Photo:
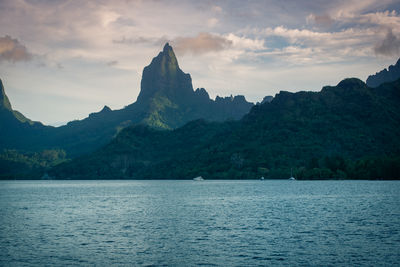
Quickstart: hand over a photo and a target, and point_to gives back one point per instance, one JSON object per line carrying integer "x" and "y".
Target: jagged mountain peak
{"x": 391, "y": 74}
{"x": 202, "y": 93}
{"x": 164, "y": 77}
{"x": 168, "y": 55}
{"x": 165, "y": 61}
{"x": 167, "y": 47}
{"x": 106, "y": 109}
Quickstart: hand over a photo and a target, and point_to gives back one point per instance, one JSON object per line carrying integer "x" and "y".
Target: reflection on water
{"x": 226, "y": 223}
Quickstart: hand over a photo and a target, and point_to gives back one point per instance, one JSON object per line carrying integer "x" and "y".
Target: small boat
{"x": 198, "y": 178}
{"x": 291, "y": 176}
{"x": 262, "y": 178}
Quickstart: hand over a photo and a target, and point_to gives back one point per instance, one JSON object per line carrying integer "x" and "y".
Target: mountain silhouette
{"x": 166, "y": 101}
{"x": 387, "y": 75}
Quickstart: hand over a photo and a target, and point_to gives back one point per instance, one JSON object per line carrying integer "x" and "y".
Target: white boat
{"x": 198, "y": 178}
{"x": 262, "y": 178}
{"x": 291, "y": 175}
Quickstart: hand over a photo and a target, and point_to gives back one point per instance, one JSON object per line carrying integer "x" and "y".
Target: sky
{"x": 63, "y": 59}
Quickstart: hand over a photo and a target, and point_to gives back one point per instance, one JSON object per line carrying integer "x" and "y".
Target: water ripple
{"x": 212, "y": 223}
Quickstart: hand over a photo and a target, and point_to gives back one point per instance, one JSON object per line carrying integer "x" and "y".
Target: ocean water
{"x": 210, "y": 223}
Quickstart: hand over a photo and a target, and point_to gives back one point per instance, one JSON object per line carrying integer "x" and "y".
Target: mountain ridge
{"x": 390, "y": 74}
{"x": 326, "y": 134}
{"x": 166, "y": 100}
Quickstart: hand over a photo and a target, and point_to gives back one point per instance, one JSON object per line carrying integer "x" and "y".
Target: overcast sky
{"x": 61, "y": 60}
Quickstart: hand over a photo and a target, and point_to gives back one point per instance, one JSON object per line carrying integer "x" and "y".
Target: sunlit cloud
{"x": 212, "y": 22}
{"x": 201, "y": 43}
{"x": 216, "y": 9}
{"x": 12, "y": 50}
{"x": 244, "y": 43}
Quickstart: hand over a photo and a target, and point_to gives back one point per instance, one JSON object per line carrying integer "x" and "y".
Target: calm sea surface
{"x": 211, "y": 223}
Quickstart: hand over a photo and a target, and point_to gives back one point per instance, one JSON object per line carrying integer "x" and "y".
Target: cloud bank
{"x": 254, "y": 47}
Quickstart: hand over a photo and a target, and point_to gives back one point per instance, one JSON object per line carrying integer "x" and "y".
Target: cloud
{"x": 243, "y": 43}
{"x": 354, "y": 35}
{"x": 200, "y": 44}
{"x": 344, "y": 38}
{"x": 304, "y": 46}
{"x": 12, "y": 50}
{"x": 212, "y": 22}
{"x": 390, "y": 46}
{"x": 112, "y": 63}
{"x": 387, "y": 19}
{"x": 141, "y": 40}
{"x": 324, "y": 20}
{"x": 124, "y": 21}
{"x": 216, "y": 9}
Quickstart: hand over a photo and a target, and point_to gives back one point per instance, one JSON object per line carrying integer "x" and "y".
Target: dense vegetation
{"x": 28, "y": 165}
{"x": 344, "y": 131}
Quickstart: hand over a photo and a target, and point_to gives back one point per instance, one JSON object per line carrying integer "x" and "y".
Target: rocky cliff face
{"x": 164, "y": 77}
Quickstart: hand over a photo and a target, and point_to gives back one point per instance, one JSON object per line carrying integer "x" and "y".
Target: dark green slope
{"x": 166, "y": 101}
{"x": 323, "y": 134}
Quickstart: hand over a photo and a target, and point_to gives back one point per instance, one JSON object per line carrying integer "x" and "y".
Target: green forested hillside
{"x": 344, "y": 131}
{"x": 28, "y": 165}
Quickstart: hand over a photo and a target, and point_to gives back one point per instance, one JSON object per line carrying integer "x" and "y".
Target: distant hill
{"x": 344, "y": 131}
{"x": 166, "y": 101}
{"x": 387, "y": 75}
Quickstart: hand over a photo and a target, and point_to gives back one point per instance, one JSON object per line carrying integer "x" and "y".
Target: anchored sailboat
{"x": 291, "y": 175}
